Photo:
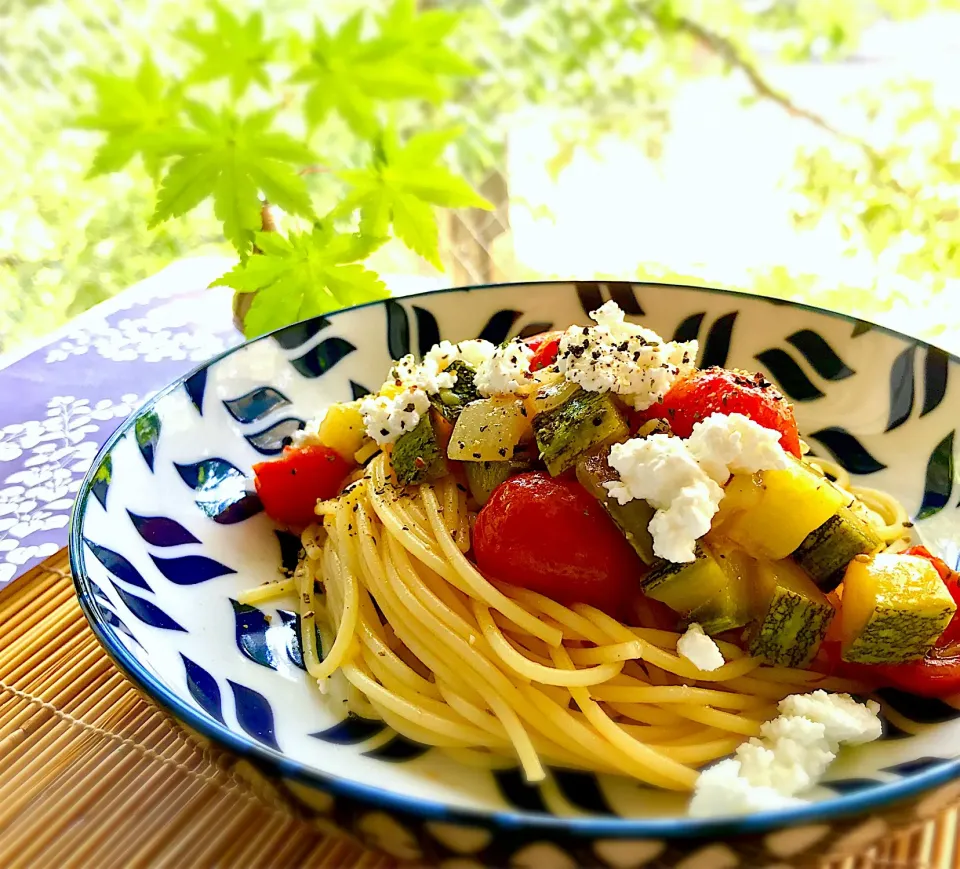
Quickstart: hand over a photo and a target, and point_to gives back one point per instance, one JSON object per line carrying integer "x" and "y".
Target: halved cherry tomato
{"x": 551, "y": 536}
{"x": 717, "y": 390}
{"x": 936, "y": 675}
{"x": 545, "y": 347}
{"x": 291, "y": 485}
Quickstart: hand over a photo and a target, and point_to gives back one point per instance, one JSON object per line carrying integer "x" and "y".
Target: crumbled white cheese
{"x": 699, "y": 649}
{"x": 725, "y": 444}
{"x": 722, "y": 790}
{"x": 682, "y": 479}
{"x": 309, "y": 435}
{"x": 506, "y": 370}
{"x": 385, "y": 418}
{"x": 473, "y": 353}
{"x": 793, "y": 754}
{"x": 426, "y": 375}
{"x": 660, "y": 470}
{"x": 617, "y": 356}
{"x": 844, "y": 720}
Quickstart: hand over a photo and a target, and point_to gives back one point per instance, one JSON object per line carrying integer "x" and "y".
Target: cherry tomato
{"x": 936, "y": 675}
{"x": 717, "y": 390}
{"x": 291, "y": 485}
{"x": 545, "y": 347}
{"x": 551, "y": 536}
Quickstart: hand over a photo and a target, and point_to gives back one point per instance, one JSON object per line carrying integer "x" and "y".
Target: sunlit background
{"x": 808, "y": 149}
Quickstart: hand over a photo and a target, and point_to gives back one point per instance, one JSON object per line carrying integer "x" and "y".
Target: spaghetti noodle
{"x": 488, "y": 671}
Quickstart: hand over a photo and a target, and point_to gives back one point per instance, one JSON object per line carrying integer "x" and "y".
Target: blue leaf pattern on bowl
{"x": 161, "y": 531}
{"x": 118, "y": 565}
{"x": 320, "y": 359}
{"x": 782, "y": 368}
{"x": 358, "y": 391}
{"x": 716, "y": 348}
{"x": 936, "y": 370}
{"x": 351, "y": 731}
{"x": 428, "y": 332}
{"x": 532, "y": 329}
{"x": 147, "y": 432}
{"x": 847, "y": 450}
{"x": 293, "y": 643}
{"x": 203, "y": 688}
{"x": 101, "y": 481}
{"x": 298, "y": 334}
{"x": 251, "y": 634}
{"x": 272, "y": 440}
{"x": 148, "y": 613}
{"x": 518, "y": 793}
{"x": 582, "y": 790}
{"x": 498, "y": 326}
{"x": 221, "y": 490}
{"x": 256, "y": 404}
{"x": 901, "y": 388}
{"x": 191, "y": 569}
{"x": 254, "y": 714}
{"x": 398, "y": 750}
{"x": 195, "y": 386}
{"x": 820, "y": 356}
{"x": 689, "y": 328}
{"x": 398, "y": 329}
{"x": 290, "y": 548}
{"x": 938, "y": 481}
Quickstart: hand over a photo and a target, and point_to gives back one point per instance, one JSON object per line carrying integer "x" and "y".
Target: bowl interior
{"x": 166, "y": 533}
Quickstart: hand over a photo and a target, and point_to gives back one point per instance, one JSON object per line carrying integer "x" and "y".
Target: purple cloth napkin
{"x": 59, "y": 402}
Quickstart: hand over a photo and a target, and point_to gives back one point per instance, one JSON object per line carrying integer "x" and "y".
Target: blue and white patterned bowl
{"x": 166, "y": 533}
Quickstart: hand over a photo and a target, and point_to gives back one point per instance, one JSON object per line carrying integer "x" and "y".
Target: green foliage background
{"x": 610, "y": 67}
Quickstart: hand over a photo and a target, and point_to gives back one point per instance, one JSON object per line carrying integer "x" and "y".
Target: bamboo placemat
{"x": 92, "y": 774}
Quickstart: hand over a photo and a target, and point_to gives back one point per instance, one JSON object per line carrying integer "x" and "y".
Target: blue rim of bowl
{"x": 532, "y": 823}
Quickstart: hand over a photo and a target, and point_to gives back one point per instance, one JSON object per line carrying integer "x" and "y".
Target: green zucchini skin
{"x": 632, "y": 518}
{"x": 782, "y": 621}
{"x": 582, "y": 423}
{"x": 708, "y": 590}
{"x": 417, "y": 456}
{"x": 896, "y": 636}
{"x": 789, "y": 633}
{"x": 826, "y": 551}
{"x": 484, "y": 477}
{"x": 449, "y": 402}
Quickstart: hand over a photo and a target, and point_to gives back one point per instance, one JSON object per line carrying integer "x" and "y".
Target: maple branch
{"x": 314, "y": 170}
{"x": 733, "y": 57}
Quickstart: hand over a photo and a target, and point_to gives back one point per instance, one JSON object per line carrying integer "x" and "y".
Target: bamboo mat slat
{"x": 92, "y": 774}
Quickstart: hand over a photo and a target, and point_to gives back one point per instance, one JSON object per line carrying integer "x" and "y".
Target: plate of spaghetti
{"x": 553, "y": 574}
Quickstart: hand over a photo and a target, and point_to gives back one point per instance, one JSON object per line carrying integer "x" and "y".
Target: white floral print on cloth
{"x": 51, "y": 456}
{"x": 153, "y": 338}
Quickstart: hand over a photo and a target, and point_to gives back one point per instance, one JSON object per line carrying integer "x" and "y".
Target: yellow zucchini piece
{"x": 789, "y": 505}
{"x": 894, "y": 607}
{"x": 488, "y": 430}
{"x": 715, "y": 589}
{"x": 793, "y": 615}
{"x": 550, "y": 395}
{"x": 342, "y": 429}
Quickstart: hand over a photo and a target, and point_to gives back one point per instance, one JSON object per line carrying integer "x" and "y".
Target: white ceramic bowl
{"x": 166, "y": 533}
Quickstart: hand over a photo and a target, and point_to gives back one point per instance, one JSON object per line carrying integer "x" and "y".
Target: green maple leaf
{"x": 401, "y": 187}
{"x": 407, "y": 59}
{"x": 233, "y": 159}
{"x": 235, "y": 50}
{"x": 132, "y": 111}
{"x": 303, "y": 275}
